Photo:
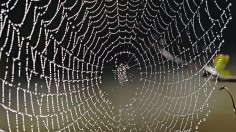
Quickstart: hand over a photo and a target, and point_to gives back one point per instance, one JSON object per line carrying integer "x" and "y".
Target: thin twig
{"x": 232, "y": 99}
{"x": 227, "y": 79}
{"x": 209, "y": 71}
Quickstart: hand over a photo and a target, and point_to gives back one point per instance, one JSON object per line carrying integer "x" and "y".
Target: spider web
{"x": 98, "y": 65}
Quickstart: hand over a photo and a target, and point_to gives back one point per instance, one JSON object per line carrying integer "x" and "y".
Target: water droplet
{"x": 204, "y": 119}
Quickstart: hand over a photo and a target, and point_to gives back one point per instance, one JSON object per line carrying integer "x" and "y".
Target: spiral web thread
{"x": 79, "y": 65}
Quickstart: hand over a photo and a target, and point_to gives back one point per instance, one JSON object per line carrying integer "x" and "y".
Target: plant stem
{"x": 231, "y": 96}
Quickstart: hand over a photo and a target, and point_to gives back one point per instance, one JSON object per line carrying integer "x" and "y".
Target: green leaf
{"x": 224, "y": 73}
{"x": 219, "y": 62}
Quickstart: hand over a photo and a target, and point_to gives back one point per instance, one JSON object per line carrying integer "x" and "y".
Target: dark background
{"x": 229, "y": 34}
